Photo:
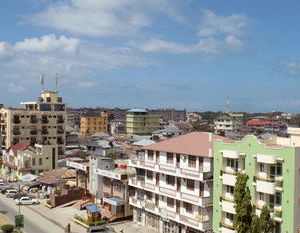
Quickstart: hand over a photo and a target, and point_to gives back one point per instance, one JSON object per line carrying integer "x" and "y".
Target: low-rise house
{"x": 233, "y": 122}
{"x": 167, "y": 132}
{"x": 22, "y": 158}
{"x": 109, "y": 186}
{"x": 102, "y": 147}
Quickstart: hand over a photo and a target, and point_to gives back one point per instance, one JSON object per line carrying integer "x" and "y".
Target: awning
{"x": 115, "y": 201}
{"x": 92, "y": 208}
{"x": 28, "y": 178}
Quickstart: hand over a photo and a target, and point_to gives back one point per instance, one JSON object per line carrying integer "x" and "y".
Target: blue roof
{"x": 92, "y": 208}
{"x": 137, "y": 110}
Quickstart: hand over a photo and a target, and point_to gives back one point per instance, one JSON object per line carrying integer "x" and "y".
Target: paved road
{"x": 34, "y": 222}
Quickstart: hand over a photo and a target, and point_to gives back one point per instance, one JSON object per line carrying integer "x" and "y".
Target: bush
{"x": 57, "y": 192}
{"x": 81, "y": 219}
{"x": 7, "y": 228}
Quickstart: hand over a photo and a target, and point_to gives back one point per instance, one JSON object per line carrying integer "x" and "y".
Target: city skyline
{"x": 153, "y": 54}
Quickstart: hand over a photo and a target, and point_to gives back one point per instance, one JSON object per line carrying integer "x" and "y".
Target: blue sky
{"x": 153, "y": 53}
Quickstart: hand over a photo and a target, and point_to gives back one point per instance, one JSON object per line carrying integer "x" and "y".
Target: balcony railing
{"x": 16, "y": 132}
{"x": 45, "y": 121}
{"x": 60, "y": 131}
{"x": 45, "y": 131}
{"x": 33, "y": 120}
{"x": 16, "y": 121}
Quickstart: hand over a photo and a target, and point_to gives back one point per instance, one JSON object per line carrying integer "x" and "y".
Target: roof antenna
{"x": 227, "y": 105}
{"x": 57, "y": 81}
{"x": 42, "y": 82}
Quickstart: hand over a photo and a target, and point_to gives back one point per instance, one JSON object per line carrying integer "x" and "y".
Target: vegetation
{"x": 7, "y": 228}
{"x": 197, "y": 126}
{"x": 245, "y": 219}
{"x": 113, "y": 155}
{"x": 242, "y": 202}
{"x": 155, "y": 138}
{"x": 85, "y": 221}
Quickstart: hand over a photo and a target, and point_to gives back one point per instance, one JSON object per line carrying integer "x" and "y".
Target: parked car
{"x": 19, "y": 195}
{"x": 27, "y": 201}
{"x": 98, "y": 229}
{"x": 10, "y": 193}
{"x": 3, "y": 189}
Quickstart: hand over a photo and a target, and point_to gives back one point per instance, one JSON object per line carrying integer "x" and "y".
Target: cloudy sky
{"x": 153, "y": 53}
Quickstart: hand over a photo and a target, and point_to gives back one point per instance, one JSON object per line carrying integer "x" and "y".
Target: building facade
{"x": 95, "y": 123}
{"x": 22, "y": 158}
{"x": 169, "y": 114}
{"x": 228, "y": 123}
{"x": 140, "y": 122}
{"x": 109, "y": 186}
{"x": 173, "y": 184}
{"x": 274, "y": 180}
{"x": 41, "y": 122}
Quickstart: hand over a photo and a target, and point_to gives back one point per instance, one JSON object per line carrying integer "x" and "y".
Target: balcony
{"x": 16, "y": 121}
{"x": 60, "y": 120}
{"x": 33, "y": 132}
{"x": 16, "y": 132}
{"x": 60, "y": 142}
{"x": 268, "y": 184}
{"x": 60, "y": 131}
{"x": 228, "y": 206}
{"x": 45, "y": 131}
{"x": 45, "y": 121}
{"x": 33, "y": 120}
{"x": 227, "y": 226}
{"x": 229, "y": 179}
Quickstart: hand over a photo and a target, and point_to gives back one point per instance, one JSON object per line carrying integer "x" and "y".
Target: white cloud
{"x": 216, "y": 34}
{"x": 15, "y": 87}
{"x": 292, "y": 67}
{"x": 213, "y": 24}
{"x": 105, "y": 17}
{"x": 48, "y": 43}
{"x": 86, "y": 84}
{"x": 6, "y": 52}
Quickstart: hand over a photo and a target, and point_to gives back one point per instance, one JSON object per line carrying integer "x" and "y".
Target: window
{"x": 190, "y": 184}
{"x": 170, "y": 202}
{"x": 33, "y": 162}
{"x": 261, "y": 167}
{"x": 261, "y": 196}
{"x": 230, "y": 189}
{"x": 149, "y": 175}
{"x": 278, "y": 198}
{"x": 271, "y": 201}
{"x": 192, "y": 161}
{"x": 150, "y": 155}
{"x": 188, "y": 207}
{"x": 229, "y": 216}
{"x": 170, "y": 158}
{"x": 233, "y": 163}
{"x": 170, "y": 180}
{"x": 40, "y": 161}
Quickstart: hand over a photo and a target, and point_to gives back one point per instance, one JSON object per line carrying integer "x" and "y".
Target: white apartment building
{"x": 228, "y": 123}
{"x": 41, "y": 121}
{"x": 173, "y": 184}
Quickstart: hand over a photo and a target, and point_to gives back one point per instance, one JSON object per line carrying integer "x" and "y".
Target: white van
{"x": 10, "y": 193}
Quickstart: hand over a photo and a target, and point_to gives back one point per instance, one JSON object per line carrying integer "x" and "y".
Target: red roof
{"x": 20, "y": 146}
{"x": 196, "y": 143}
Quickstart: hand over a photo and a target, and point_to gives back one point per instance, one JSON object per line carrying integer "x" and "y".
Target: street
{"x": 33, "y": 222}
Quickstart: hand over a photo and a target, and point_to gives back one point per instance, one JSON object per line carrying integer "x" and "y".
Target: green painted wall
{"x": 250, "y": 146}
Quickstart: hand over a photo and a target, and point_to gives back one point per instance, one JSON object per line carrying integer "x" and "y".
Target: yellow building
{"x": 92, "y": 124}
{"x": 41, "y": 121}
{"x": 140, "y": 122}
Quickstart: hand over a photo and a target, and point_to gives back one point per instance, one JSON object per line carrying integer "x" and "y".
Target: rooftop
{"x": 196, "y": 143}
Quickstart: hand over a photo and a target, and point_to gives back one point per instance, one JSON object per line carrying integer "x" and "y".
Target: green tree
{"x": 155, "y": 138}
{"x": 242, "y": 202}
{"x": 265, "y": 221}
{"x": 113, "y": 155}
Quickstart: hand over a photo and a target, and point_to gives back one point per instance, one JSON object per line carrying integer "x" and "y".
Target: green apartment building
{"x": 140, "y": 122}
{"x": 274, "y": 179}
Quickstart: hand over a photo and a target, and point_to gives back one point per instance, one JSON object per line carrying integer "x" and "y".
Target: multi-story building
{"x": 274, "y": 180}
{"x": 169, "y": 114}
{"x": 173, "y": 184}
{"x": 140, "y": 122}
{"x": 109, "y": 186}
{"x": 232, "y": 122}
{"x": 266, "y": 124}
{"x": 41, "y": 121}
{"x": 94, "y": 123}
{"x": 22, "y": 158}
